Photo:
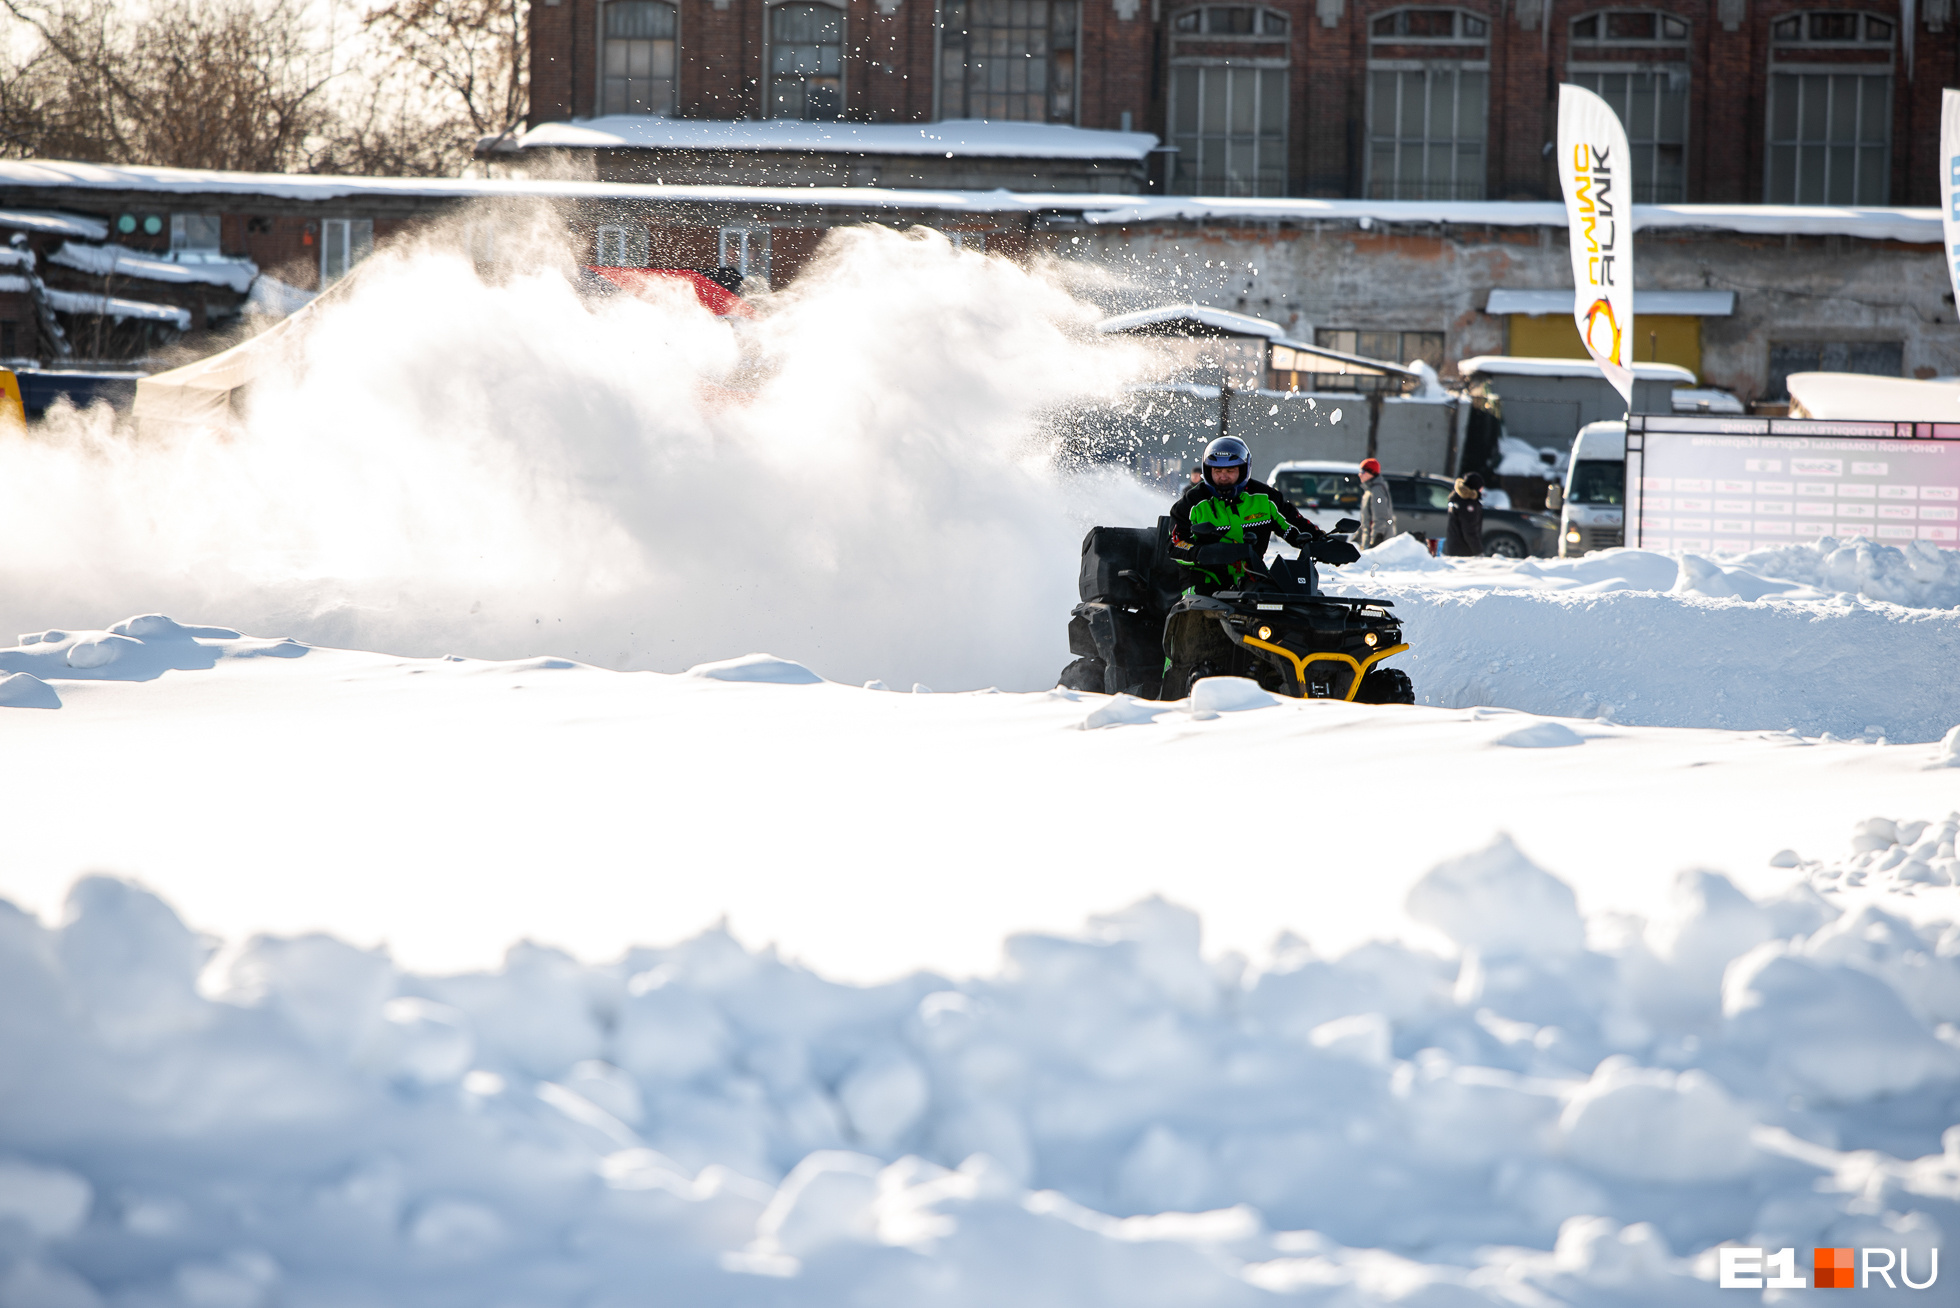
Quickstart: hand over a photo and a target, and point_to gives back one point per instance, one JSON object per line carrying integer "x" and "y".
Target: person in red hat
{"x": 1377, "y": 510}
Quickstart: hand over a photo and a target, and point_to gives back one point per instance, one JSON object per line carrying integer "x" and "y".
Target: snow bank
{"x": 1549, "y": 1110}
{"x": 1783, "y": 639}
{"x": 860, "y": 483}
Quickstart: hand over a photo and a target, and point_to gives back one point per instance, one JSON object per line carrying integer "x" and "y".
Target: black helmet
{"x": 1228, "y": 452}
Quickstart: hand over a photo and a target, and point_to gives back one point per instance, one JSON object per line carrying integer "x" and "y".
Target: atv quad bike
{"x": 1137, "y": 632}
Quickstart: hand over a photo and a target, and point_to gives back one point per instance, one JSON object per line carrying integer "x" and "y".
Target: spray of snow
{"x": 503, "y": 470}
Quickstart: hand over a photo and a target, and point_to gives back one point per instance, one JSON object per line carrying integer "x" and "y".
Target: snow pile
{"x": 1783, "y": 639}
{"x": 1549, "y": 1110}
{"x": 860, "y": 482}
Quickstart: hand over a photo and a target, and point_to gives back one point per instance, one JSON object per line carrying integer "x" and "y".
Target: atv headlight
{"x": 1265, "y": 633}
{"x": 1371, "y": 640}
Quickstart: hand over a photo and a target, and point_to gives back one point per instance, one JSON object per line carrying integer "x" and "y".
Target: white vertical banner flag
{"x": 1950, "y": 183}
{"x": 1596, "y": 172}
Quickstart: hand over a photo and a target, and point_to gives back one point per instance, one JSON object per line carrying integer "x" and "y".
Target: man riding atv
{"x": 1194, "y": 597}
{"x": 1220, "y": 526}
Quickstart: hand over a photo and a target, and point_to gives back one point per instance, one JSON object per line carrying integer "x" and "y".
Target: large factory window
{"x": 1228, "y": 103}
{"x": 637, "y": 65}
{"x": 806, "y": 62}
{"x": 1637, "y": 61}
{"x": 1008, "y": 59}
{"x": 1428, "y": 102}
{"x": 1830, "y": 124}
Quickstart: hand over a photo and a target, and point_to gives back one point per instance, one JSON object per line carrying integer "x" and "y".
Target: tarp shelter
{"x": 210, "y": 390}
{"x": 1848, "y": 396}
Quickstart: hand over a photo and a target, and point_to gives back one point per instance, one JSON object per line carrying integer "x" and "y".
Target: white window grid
{"x": 639, "y": 42}
{"x": 1427, "y": 127}
{"x": 344, "y": 242}
{"x": 620, "y": 245}
{"x": 1829, "y": 136}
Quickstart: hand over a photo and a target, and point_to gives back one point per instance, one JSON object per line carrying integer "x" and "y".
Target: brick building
{"x": 1725, "y": 101}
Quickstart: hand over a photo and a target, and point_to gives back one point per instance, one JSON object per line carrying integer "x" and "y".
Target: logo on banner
{"x": 1592, "y": 188}
{"x": 1830, "y": 1269}
{"x": 1610, "y": 348}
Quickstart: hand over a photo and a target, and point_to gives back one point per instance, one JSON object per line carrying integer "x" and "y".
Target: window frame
{"x": 939, "y": 87}
{"x": 346, "y": 227}
{"x": 1456, "y": 64}
{"x": 1657, "y": 67}
{"x": 1661, "y": 19}
{"x": 1459, "y": 38}
{"x": 634, "y": 238}
{"x": 769, "y": 50}
{"x": 1771, "y": 142}
{"x": 599, "y": 56}
{"x": 1260, "y": 66}
{"x": 1804, "y": 41}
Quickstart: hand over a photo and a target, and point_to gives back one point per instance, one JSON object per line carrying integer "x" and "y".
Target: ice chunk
{"x": 1163, "y": 1172}
{"x": 1541, "y": 735}
{"x": 830, "y": 1197}
{"x": 1124, "y": 710}
{"x": 884, "y": 1096}
{"x": 427, "y": 1042}
{"x": 1831, "y": 1030}
{"x": 32, "y": 1284}
{"x": 100, "y": 651}
{"x": 1363, "y": 1037}
{"x": 50, "y": 1202}
{"x": 25, "y": 690}
{"x": 1949, "y": 755}
{"x": 1228, "y": 695}
{"x": 1648, "y": 1124}
{"x": 1498, "y": 902}
{"x": 764, "y": 668}
{"x": 132, "y": 962}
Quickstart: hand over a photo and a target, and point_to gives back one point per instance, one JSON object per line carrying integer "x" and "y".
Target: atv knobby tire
{"x": 1084, "y": 674}
{"x": 1386, "y": 686}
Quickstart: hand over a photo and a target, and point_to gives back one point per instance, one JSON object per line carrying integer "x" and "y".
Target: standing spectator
{"x": 1466, "y": 531}
{"x": 1377, "y": 510}
{"x": 1197, "y": 475}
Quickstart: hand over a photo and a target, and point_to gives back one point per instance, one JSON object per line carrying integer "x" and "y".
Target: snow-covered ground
{"x": 511, "y": 979}
{"x": 1413, "y": 1057}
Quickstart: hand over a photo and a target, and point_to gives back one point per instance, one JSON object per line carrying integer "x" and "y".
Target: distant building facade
{"x": 1724, "y": 101}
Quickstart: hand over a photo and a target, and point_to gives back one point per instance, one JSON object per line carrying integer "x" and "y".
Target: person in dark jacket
{"x": 1465, "y": 537}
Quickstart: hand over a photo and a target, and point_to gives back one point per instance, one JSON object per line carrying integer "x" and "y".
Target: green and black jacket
{"x": 1253, "y": 515}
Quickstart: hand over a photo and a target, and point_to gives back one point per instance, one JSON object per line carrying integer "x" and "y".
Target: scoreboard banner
{"x": 1728, "y": 485}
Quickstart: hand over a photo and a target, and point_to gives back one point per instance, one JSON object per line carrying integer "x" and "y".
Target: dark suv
{"x": 1327, "y": 490}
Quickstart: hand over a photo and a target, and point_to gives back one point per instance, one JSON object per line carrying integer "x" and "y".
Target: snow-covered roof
{"x": 120, "y": 261}
{"x": 1918, "y": 226}
{"x": 113, "y": 306}
{"x": 1921, "y": 226}
{"x": 1224, "y": 320}
{"x": 1848, "y": 396}
{"x": 1511, "y": 365}
{"x": 954, "y": 138}
{"x": 54, "y": 224}
{"x": 1539, "y": 304}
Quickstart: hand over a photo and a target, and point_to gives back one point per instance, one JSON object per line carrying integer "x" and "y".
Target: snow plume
{"x": 504, "y": 470}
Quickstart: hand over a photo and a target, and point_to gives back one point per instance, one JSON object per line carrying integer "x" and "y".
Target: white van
{"x": 1594, "y": 516}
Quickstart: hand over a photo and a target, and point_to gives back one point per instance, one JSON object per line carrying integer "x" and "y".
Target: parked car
{"x": 1328, "y": 491}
